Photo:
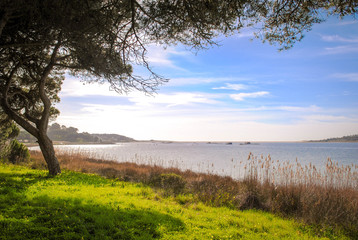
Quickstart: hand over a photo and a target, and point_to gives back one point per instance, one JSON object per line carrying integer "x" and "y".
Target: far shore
{"x": 33, "y": 144}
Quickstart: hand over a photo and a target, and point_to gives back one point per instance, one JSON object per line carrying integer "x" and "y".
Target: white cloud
{"x": 312, "y": 108}
{"x": 229, "y": 86}
{"x": 353, "y": 77}
{"x": 187, "y": 116}
{"x": 173, "y": 99}
{"x": 160, "y": 56}
{"x": 142, "y": 122}
{"x": 275, "y": 109}
{"x": 203, "y": 80}
{"x": 75, "y": 88}
{"x": 242, "y": 96}
{"x": 246, "y": 34}
{"x": 343, "y": 23}
{"x": 337, "y": 38}
{"x": 341, "y": 49}
{"x": 328, "y": 118}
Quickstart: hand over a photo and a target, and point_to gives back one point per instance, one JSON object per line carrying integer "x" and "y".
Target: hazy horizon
{"x": 205, "y": 141}
{"x": 240, "y": 91}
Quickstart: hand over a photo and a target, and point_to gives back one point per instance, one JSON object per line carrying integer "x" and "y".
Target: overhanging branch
{"x": 43, "y": 123}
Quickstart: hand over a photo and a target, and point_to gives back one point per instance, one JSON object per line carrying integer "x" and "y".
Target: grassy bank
{"x": 85, "y": 206}
{"x": 326, "y": 199}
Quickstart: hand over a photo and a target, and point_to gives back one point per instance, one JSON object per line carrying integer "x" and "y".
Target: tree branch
{"x": 9, "y": 111}
{"x": 15, "y": 45}
{"x": 43, "y": 124}
{"x": 146, "y": 13}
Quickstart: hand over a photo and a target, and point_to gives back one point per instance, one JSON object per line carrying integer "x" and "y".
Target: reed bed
{"x": 326, "y": 197}
{"x": 332, "y": 175}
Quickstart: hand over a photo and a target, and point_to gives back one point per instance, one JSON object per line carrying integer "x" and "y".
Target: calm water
{"x": 219, "y": 157}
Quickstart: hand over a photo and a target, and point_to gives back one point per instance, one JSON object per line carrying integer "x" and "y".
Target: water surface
{"x": 220, "y": 158}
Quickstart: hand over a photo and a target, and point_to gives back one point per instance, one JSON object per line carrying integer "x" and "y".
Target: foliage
{"x": 8, "y": 130}
{"x": 10, "y": 149}
{"x": 25, "y": 137}
{"x": 171, "y": 183}
{"x": 18, "y": 152}
{"x": 70, "y": 134}
{"x": 83, "y": 206}
{"x": 350, "y": 138}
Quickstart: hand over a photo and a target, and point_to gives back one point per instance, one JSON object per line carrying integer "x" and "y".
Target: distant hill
{"x": 113, "y": 137}
{"x": 59, "y": 133}
{"x": 351, "y": 138}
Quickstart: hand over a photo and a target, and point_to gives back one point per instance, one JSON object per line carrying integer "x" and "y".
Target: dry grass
{"x": 327, "y": 198}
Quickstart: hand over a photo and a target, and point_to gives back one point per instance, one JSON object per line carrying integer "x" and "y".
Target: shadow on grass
{"x": 47, "y": 218}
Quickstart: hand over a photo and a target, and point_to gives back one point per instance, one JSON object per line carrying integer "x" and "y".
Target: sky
{"x": 242, "y": 90}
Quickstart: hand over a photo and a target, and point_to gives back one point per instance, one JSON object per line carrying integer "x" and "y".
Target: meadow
{"x": 133, "y": 201}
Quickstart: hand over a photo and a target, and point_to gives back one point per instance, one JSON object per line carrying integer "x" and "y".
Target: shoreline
{"x": 236, "y": 143}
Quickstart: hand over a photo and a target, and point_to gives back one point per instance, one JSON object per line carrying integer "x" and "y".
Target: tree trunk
{"x": 48, "y": 152}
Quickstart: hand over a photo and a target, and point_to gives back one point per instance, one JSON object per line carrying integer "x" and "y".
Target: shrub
{"x": 250, "y": 200}
{"x": 216, "y": 191}
{"x": 172, "y": 183}
{"x": 287, "y": 200}
{"x": 18, "y": 152}
{"x": 108, "y": 172}
{"x": 251, "y": 196}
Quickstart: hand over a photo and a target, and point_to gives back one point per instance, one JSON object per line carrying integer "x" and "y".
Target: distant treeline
{"x": 56, "y": 132}
{"x": 351, "y": 138}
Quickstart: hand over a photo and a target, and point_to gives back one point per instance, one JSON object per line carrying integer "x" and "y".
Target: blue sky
{"x": 242, "y": 90}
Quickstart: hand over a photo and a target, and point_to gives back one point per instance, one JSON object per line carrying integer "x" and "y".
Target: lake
{"x": 219, "y": 158}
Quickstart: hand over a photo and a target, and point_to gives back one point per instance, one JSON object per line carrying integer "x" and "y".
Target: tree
{"x": 101, "y": 40}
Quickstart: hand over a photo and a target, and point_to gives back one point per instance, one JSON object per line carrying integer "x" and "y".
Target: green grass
{"x": 83, "y": 206}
